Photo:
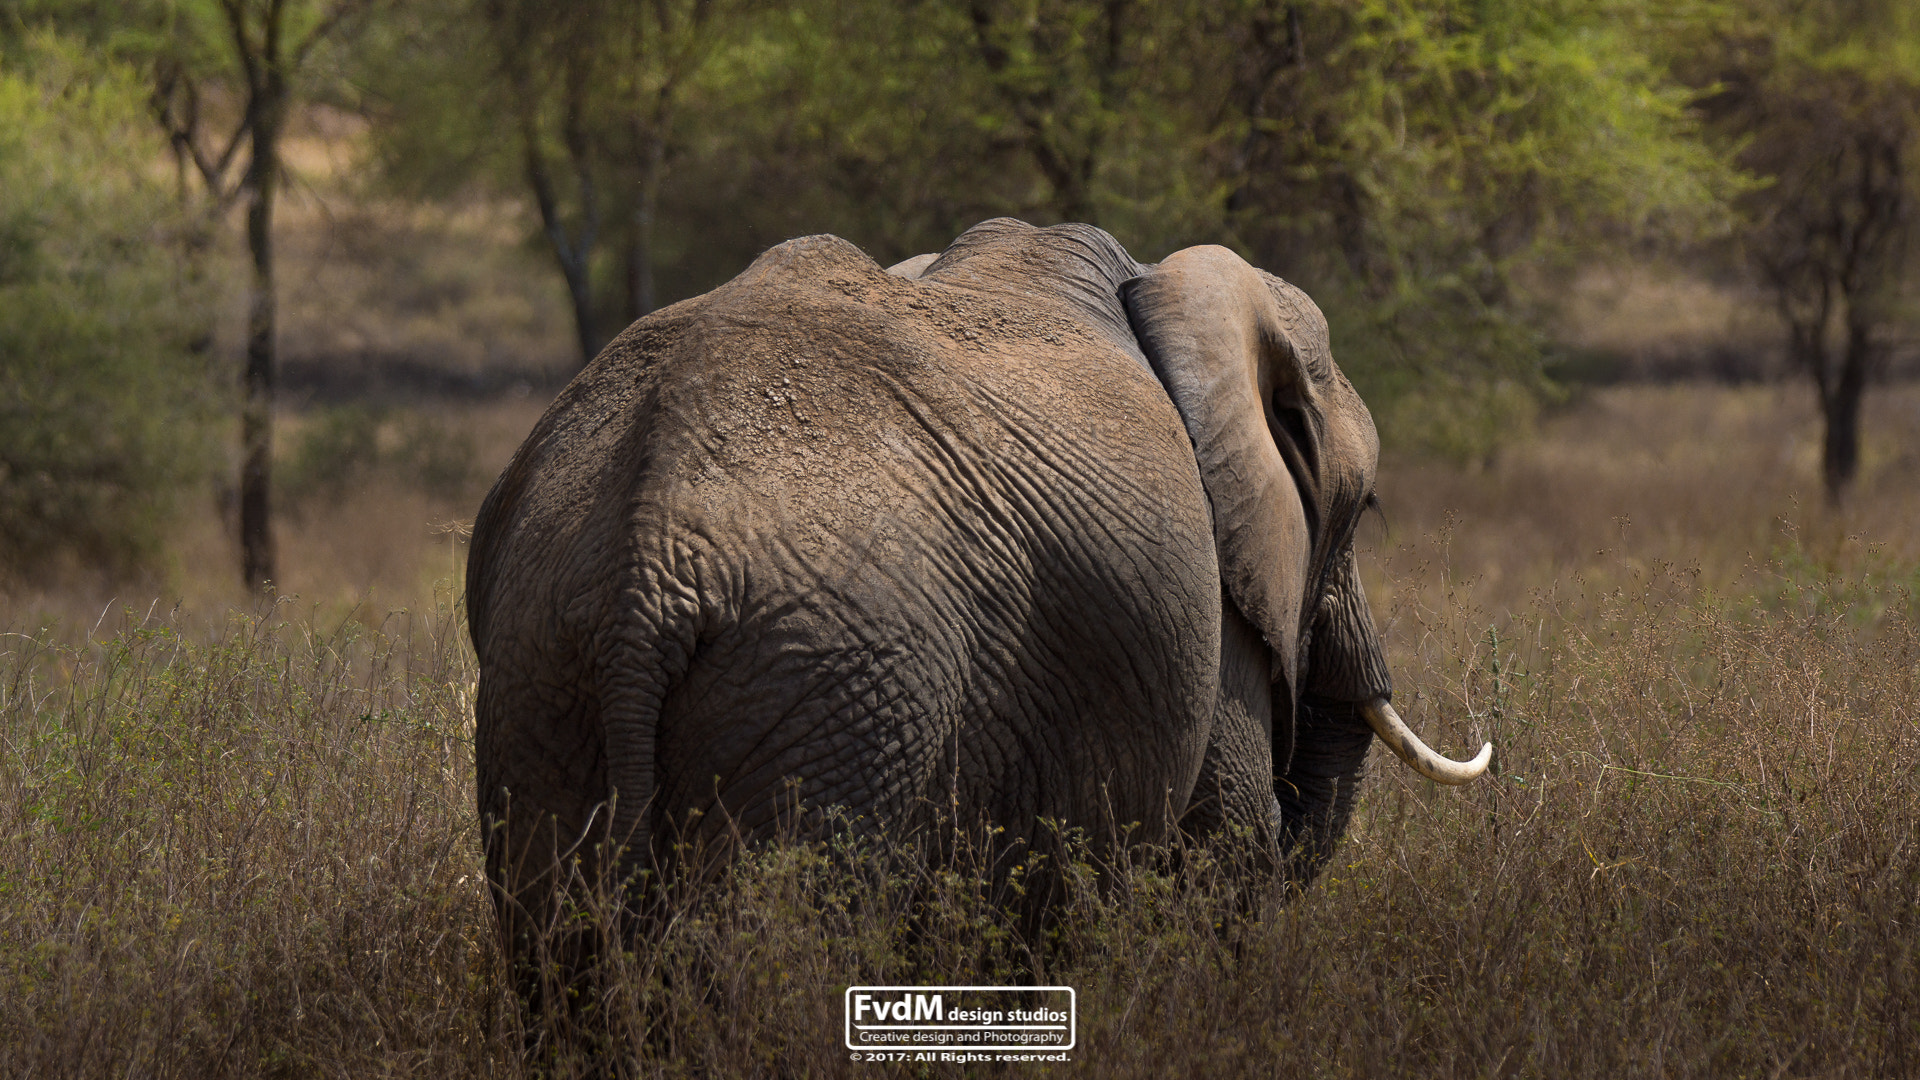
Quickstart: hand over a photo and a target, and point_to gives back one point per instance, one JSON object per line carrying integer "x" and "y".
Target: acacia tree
{"x": 1063, "y": 73}
{"x": 1825, "y": 100}
{"x": 259, "y": 48}
{"x": 653, "y": 56}
{"x": 1415, "y": 161}
{"x": 225, "y": 76}
{"x": 1092, "y": 110}
{"x": 1411, "y": 159}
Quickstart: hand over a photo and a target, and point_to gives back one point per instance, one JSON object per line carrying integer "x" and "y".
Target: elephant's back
{"x": 811, "y": 386}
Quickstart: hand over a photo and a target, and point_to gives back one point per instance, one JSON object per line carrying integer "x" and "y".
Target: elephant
{"x": 1023, "y": 530}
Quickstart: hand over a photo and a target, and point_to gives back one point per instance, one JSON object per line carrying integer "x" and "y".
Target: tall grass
{"x": 250, "y": 850}
{"x": 244, "y": 852}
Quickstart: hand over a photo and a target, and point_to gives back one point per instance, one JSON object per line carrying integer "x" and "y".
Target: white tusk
{"x": 1408, "y": 748}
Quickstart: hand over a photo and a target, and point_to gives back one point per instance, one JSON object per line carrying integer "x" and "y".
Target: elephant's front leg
{"x": 1235, "y": 789}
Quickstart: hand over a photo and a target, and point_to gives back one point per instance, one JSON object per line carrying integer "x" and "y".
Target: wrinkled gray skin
{"x": 1027, "y": 530}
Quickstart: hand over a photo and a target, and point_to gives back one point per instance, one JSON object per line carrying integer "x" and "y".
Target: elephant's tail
{"x": 648, "y": 652}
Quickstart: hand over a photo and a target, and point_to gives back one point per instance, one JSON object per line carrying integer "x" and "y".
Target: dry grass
{"x": 248, "y": 848}
{"x": 1638, "y": 476}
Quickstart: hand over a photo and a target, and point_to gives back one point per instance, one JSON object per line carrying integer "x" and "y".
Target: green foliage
{"x": 1428, "y": 170}
{"x": 587, "y": 107}
{"x": 104, "y": 395}
{"x": 1431, "y": 172}
{"x": 333, "y": 454}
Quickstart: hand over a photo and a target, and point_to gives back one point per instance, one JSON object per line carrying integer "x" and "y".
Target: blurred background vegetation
{"x": 106, "y": 397}
{"x": 356, "y": 219}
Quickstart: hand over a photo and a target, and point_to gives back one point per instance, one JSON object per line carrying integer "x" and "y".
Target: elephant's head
{"x": 1287, "y": 453}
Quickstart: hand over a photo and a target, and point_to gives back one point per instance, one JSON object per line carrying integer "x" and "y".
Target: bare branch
{"x": 236, "y": 13}
{"x": 326, "y": 26}
{"x": 275, "y": 23}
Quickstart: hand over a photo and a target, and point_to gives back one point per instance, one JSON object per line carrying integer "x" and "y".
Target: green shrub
{"x": 104, "y": 398}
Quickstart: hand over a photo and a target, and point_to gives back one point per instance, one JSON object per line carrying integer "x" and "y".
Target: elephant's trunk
{"x": 1407, "y": 746}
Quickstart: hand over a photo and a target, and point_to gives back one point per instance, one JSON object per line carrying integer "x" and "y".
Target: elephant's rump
{"x": 941, "y": 549}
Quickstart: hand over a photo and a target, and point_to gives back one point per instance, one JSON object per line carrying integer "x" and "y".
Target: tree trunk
{"x": 586, "y": 328}
{"x": 571, "y": 255}
{"x": 640, "y": 283}
{"x": 256, "y": 418}
{"x": 1840, "y": 404}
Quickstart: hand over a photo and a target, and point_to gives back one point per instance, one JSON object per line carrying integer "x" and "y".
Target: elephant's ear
{"x": 1219, "y": 339}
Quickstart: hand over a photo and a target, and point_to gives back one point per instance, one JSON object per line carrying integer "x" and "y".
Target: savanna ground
{"x": 241, "y": 841}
